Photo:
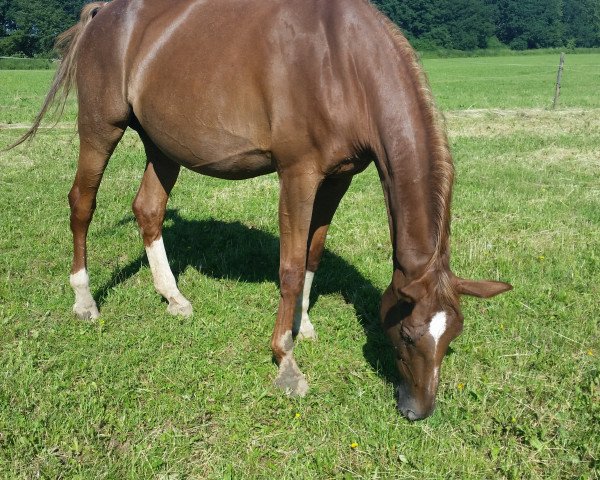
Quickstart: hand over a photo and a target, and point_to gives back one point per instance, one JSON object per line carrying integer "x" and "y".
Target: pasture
{"x": 141, "y": 394}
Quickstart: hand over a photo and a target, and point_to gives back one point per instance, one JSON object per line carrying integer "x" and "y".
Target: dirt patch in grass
{"x": 533, "y": 121}
{"x": 566, "y": 157}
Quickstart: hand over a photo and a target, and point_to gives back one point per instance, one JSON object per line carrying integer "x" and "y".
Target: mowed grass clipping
{"x": 141, "y": 394}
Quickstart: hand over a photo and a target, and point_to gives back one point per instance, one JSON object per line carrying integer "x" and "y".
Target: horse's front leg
{"x": 298, "y": 191}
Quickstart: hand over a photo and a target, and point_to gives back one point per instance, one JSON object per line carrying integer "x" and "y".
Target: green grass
{"x": 514, "y": 82}
{"x": 502, "y": 51}
{"x": 22, "y": 93}
{"x": 140, "y": 394}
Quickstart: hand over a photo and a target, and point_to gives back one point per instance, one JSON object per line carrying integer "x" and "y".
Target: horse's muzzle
{"x": 410, "y": 408}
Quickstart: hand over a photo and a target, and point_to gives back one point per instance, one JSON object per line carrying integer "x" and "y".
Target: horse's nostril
{"x": 411, "y": 415}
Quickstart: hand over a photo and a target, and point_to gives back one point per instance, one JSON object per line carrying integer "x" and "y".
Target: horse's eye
{"x": 407, "y": 338}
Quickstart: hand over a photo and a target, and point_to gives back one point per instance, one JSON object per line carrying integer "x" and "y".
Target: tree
{"x": 5, "y": 23}
{"x": 582, "y": 22}
{"x": 30, "y": 27}
{"x": 522, "y": 24}
{"x": 530, "y": 23}
{"x": 457, "y": 24}
{"x": 468, "y": 22}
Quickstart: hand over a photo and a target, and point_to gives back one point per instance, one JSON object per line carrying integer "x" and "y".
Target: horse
{"x": 314, "y": 90}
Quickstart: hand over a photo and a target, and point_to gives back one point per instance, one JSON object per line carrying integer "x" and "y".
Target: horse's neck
{"x": 408, "y": 176}
{"x": 412, "y": 157}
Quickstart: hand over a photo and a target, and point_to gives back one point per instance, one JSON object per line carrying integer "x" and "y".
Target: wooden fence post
{"x": 558, "y": 80}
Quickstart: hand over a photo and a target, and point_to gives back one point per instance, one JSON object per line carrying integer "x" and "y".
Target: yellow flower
{"x": 590, "y": 353}
{"x": 297, "y": 415}
{"x": 461, "y": 386}
{"x": 541, "y": 258}
{"x": 354, "y": 445}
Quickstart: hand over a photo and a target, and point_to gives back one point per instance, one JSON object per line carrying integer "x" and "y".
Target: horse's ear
{"x": 481, "y": 288}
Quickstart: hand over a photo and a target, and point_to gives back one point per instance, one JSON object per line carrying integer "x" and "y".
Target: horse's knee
{"x": 82, "y": 208}
{"x": 73, "y": 195}
{"x": 149, "y": 218}
{"x": 291, "y": 280}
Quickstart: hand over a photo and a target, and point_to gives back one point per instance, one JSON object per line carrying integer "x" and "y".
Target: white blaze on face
{"x": 437, "y": 327}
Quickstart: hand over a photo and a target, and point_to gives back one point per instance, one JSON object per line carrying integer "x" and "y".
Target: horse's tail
{"x": 64, "y": 78}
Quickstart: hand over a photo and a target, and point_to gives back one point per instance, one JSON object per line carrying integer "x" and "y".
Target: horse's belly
{"x": 237, "y": 167}
{"x": 211, "y": 151}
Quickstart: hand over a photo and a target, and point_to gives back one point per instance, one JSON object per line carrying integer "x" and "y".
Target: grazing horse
{"x": 313, "y": 90}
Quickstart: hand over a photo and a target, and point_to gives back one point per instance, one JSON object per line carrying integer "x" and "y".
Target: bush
{"x": 519, "y": 43}
{"x": 494, "y": 44}
{"x": 425, "y": 45}
{"x": 20, "y": 63}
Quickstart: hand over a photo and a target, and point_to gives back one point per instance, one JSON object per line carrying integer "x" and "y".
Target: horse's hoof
{"x": 291, "y": 380}
{"x": 293, "y": 386}
{"x": 180, "y": 307}
{"x": 86, "y": 312}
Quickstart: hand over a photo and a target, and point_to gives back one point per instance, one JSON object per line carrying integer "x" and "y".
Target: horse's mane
{"x": 440, "y": 157}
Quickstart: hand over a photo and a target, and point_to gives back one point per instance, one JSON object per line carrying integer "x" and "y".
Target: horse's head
{"x": 421, "y": 319}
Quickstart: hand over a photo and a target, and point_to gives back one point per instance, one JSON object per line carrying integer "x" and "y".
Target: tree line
{"x": 29, "y": 27}
{"x": 518, "y": 24}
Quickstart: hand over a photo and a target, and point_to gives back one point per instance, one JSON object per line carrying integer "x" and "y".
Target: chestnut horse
{"x": 313, "y": 90}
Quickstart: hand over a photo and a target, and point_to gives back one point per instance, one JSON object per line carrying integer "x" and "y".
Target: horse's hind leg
{"x": 328, "y": 198}
{"x": 149, "y": 208}
{"x": 96, "y": 146}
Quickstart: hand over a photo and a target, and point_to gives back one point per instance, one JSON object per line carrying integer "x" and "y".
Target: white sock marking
{"x": 301, "y": 320}
{"x": 308, "y": 279}
{"x": 84, "y": 302}
{"x": 164, "y": 281}
{"x": 80, "y": 280}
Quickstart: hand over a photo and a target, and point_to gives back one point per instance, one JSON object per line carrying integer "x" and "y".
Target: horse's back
{"x": 223, "y": 85}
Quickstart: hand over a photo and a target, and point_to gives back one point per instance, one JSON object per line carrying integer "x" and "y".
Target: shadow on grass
{"x": 232, "y": 250}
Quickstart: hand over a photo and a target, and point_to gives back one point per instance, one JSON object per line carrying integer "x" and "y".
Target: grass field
{"x": 140, "y": 394}
{"x": 16, "y": 63}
